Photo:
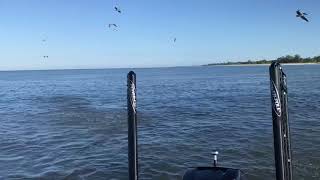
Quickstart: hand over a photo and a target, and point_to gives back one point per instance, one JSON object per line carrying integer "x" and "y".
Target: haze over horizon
{"x": 206, "y": 31}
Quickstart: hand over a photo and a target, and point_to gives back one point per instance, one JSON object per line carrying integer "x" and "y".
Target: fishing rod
{"x": 281, "y": 130}
{"x": 132, "y": 126}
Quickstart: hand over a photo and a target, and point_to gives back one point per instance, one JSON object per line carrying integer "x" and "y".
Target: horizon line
{"x": 96, "y": 68}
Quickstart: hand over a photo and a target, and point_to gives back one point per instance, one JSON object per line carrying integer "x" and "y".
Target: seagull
{"x": 302, "y": 15}
{"x": 117, "y": 9}
{"x": 45, "y": 56}
{"x": 114, "y": 25}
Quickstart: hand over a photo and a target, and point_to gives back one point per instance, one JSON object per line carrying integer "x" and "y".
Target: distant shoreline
{"x": 285, "y": 60}
{"x": 267, "y": 64}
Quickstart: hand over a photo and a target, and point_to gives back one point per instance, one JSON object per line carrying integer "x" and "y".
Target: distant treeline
{"x": 284, "y": 59}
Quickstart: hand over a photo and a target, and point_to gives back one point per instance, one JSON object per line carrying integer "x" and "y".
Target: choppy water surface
{"x": 71, "y": 124}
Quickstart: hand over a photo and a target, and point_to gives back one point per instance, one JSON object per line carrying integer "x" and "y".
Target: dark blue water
{"x": 71, "y": 124}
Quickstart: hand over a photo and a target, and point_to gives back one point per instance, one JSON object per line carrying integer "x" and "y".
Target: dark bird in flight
{"x": 117, "y": 9}
{"x": 112, "y": 25}
{"x": 175, "y": 39}
{"x": 45, "y": 56}
{"x": 302, "y": 15}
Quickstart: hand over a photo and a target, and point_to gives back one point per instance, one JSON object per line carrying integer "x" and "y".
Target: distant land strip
{"x": 288, "y": 59}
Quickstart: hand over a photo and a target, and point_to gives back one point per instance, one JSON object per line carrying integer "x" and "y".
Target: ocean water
{"x": 72, "y": 124}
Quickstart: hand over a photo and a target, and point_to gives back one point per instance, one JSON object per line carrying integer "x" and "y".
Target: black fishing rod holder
{"x": 132, "y": 126}
{"x": 280, "y": 121}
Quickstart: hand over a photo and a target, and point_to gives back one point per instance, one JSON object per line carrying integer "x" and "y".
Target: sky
{"x": 207, "y": 31}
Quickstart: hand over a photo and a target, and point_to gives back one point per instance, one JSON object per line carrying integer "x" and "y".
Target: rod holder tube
{"x": 132, "y": 126}
{"x": 281, "y": 135}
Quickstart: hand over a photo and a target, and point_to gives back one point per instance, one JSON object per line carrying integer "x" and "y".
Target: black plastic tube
{"x": 132, "y": 126}
{"x": 281, "y": 134}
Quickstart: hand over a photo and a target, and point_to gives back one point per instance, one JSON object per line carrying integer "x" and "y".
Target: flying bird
{"x": 117, "y": 9}
{"x": 175, "y": 39}
{"x": 112, "y": 25}
{"x": 302, "y": 15}
{"x": 44, "y": 38}
{"x": 45, "y": 56}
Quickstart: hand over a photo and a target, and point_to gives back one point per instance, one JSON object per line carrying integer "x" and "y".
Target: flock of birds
{"x": 114, "y": 26}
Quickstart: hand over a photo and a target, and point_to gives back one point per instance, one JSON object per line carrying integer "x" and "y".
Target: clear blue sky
{"x": 207, "y": 31}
